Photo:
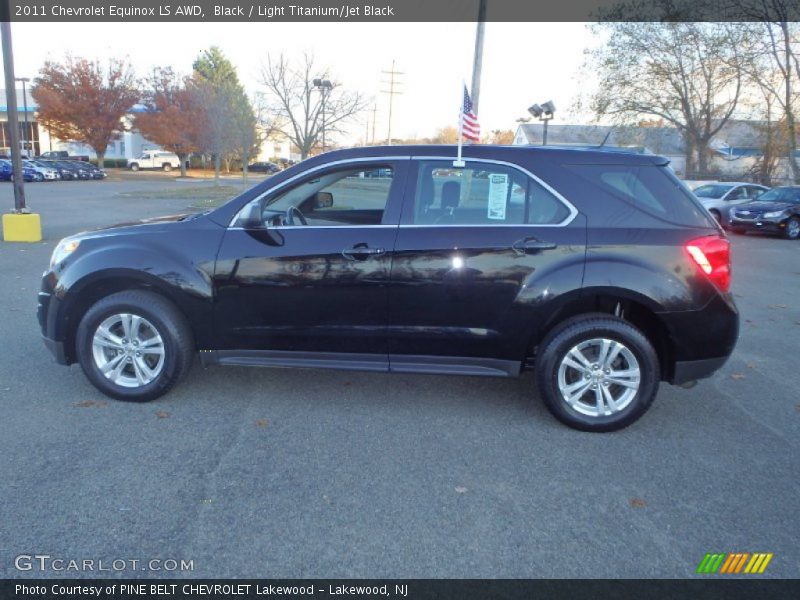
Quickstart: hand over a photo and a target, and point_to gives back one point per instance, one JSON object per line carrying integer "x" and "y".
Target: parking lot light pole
{"x": 324, "y": 86}
{"x": 544, "y": 113}
{"x": 26, "y": 131}
{"x": 20, "y": 225}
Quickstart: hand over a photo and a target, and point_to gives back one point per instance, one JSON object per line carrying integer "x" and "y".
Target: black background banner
{"x": 395, "y": 10}
{"x": 410, "y": 589}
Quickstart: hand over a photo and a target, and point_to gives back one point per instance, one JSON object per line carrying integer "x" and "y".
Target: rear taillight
{"x": 712, "y": 255}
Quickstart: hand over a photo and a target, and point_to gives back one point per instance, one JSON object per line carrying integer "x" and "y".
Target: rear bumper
{"x": 702, "y": 340}
{"x": 692, "y": 370}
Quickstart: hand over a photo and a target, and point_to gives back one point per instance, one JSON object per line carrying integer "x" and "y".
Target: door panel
{"x": 315, "y": 288}
{"x": 466, "y": 291}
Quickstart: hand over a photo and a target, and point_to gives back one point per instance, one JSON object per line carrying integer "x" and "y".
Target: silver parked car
{"x": 718, "y": 198}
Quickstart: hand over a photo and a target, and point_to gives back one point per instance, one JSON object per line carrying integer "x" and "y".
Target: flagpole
{"x": 459, "y": 162}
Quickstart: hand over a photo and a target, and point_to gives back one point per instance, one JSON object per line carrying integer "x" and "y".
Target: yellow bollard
{"x": 22, "y": 227}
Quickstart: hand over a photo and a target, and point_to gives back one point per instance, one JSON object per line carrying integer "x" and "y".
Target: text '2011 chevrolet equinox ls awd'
{"x": 598, "y": 269}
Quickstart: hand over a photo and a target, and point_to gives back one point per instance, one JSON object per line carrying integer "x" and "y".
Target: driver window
{"x": 355, "y": 196}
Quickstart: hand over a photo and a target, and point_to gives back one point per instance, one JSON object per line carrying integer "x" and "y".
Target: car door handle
{"x": 361, "y": 252}
{"x": 531, "y": 245}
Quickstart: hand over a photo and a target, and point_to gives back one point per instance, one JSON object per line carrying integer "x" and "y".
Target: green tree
{"x": 230, "y": 124}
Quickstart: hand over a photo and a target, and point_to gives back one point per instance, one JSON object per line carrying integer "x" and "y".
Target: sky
{"x": 523, "y": 63}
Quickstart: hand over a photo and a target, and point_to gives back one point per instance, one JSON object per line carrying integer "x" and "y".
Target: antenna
{"x": 608, "y": 135}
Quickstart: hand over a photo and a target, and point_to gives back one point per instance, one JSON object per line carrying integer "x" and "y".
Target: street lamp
{"x": 324, "y": 86}
{"x": 544, "y": 113}
{"x": 24, "y": 80}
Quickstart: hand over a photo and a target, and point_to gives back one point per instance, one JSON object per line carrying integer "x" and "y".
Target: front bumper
{"x": 766, "y": 225}
{"x": 45, "y": 313}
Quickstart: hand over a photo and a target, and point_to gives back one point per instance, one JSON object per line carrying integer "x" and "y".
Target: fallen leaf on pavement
{"x": 737, "y": 376}
{"x": 262, "y": 422}
{"x": 162, "y": 414}
{"x": 637, "y": 503}
{"x": 461, "y": 490}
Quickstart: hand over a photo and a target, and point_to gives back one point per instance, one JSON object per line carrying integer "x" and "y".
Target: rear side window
{"x": 650, "y": 188}
{"x": 482, "y": 194}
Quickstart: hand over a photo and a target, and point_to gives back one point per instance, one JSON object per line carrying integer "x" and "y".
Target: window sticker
{"x": 498, "y": 192}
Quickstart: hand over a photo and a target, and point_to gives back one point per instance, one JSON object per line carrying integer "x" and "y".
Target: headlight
{"x": 776, "y": 214}
{"x": 64, "y": 248}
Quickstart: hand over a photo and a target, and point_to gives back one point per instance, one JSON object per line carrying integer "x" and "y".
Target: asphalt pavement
{"x": 293, "y": 473}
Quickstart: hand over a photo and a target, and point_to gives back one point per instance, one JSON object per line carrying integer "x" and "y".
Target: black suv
{"x": 598, "y": 269}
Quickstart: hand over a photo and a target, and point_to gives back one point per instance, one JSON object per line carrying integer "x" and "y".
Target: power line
{"x": 391, "y": 92}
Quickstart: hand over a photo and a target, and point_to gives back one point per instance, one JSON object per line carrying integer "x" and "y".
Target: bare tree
{"x": 298, "y": 105}
{"x": 688, "y": 74}
{"x": 775, "y": 65}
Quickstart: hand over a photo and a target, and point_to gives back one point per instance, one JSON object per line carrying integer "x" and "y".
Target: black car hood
{"x": 765, "y": 206}
{"x": 136, "y": 225}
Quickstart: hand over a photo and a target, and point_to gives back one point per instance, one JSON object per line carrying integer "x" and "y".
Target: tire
{"x": 792, "y": 229}
{"x": 716, "y": 215}
{"x": 134, "y": 166}
{"x": 588, "y": 333}
{"x": 38, "y": 177}
{"x": 130, "y": 382}
{"x": 167, "y": 167}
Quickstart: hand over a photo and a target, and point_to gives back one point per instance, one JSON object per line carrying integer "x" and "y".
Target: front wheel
{"x": 134, "y": 345}
{"x": 597, "y": 373}
{"x": 134, "y": 166}
{"x": 167, "y": 167}
{"x": 38, "y": 177}
{"x": 792, "y": 229}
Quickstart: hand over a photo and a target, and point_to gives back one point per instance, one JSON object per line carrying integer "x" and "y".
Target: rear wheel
{"x": 792, "y": 229}
{"x": 134, "y": 345}
{"x": 167, "y": 167}
{"x": 38, "y": 177}
{"x": 597, "y": 372}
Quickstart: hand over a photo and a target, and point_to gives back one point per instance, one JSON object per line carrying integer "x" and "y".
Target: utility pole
{"x": 477, "y": 62}
{"x": 374, "y": 117}
{"x": 392, "y": 92}
{"x": 13, "y": 117}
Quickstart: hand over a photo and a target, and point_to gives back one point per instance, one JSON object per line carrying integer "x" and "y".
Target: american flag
{"x": 470, "y": 127}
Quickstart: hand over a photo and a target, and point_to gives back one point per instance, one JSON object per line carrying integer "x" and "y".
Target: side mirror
{"x": 323, "y": 200}
{"x": 253, "y": 218}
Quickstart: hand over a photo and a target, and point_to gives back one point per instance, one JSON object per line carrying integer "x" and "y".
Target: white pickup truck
{"x": 155, "y": 159}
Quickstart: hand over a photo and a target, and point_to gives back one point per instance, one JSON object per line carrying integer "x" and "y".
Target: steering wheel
{"x": 293, "y": 212}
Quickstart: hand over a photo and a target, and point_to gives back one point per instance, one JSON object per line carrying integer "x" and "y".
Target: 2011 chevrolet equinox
{"x": 598, "y": 269}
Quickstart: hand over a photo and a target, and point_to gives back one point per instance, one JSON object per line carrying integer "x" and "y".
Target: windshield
{"x": 785, "y": 194}
{"x": 712, "y": 191}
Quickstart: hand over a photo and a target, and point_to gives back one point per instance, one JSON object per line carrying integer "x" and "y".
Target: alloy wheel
{"x": 128, "y": 350}
{"x": 599, "y": 377}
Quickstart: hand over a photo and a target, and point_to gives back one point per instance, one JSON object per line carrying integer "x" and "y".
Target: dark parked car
{"x": 79, "y": 170}
{"x": 599, "y": 270}
{"x": 263, "y": 167}
{"x": 776, "y": 211}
